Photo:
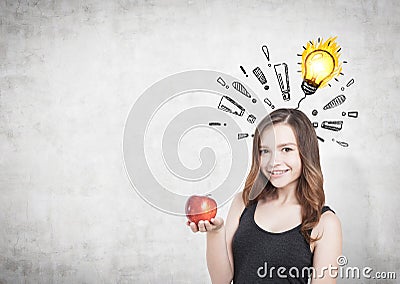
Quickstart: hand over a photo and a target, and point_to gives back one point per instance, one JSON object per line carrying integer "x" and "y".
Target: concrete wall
{"x": 70, "y": 72}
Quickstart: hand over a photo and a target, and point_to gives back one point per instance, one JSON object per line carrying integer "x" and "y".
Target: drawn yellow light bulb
{"x": 320, "y": 63}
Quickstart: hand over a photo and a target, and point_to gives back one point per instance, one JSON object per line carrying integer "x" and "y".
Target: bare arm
{"x": 219, "y": 242}
{"x": 327, "y": 249}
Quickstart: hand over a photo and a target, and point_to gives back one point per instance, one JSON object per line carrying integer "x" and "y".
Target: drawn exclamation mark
{"x": 341, "y": 143}
{"x": 353, "y": 114}
{"x": 351, "y": 82}
{"x": 264, "y": 49}
{"x": 244, "y": 71}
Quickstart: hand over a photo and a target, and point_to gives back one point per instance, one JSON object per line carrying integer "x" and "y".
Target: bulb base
{"x": 309, "y": 87}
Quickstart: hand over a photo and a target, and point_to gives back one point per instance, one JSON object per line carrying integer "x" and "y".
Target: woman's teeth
{"x": 278, "y": 172}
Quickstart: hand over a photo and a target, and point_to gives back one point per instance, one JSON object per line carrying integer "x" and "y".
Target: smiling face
{"x": 279, "y": 156}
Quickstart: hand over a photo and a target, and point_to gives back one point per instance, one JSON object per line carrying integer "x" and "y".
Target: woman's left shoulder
{"x": 329, "y": 220}
{"x": 327, "y": 230}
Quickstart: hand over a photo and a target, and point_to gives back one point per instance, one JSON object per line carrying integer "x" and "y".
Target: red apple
{"x": 200, "y": 208}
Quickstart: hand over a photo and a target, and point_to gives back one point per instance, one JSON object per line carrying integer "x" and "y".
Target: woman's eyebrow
{"x": 280, "y": 145}
{"x": 287, "y": 144}
{"x": 263, "y": 147}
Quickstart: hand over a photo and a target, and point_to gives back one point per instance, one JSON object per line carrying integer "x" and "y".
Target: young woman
{"x": 277, "y": 229}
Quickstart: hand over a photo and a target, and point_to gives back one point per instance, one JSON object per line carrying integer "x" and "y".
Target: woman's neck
{"x": 287, "y": 195}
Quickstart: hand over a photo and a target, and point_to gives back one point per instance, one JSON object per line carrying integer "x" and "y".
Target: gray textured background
{"x": 70, "y": 72}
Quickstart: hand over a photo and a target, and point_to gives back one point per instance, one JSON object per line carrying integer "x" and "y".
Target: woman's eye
{"x": 286, "y": 149}
{"x": 264, "y": 151}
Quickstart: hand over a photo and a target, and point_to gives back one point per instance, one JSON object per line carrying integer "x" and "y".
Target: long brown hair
{"x": 309, "y": 192}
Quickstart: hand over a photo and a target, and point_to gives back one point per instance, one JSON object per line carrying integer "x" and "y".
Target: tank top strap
{"x": 251, "y": 208}
{"x": 327, "y": 208}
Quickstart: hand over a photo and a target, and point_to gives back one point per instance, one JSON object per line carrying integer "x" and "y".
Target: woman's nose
{"x": 276, "y": 159}
{"x": 272, "y": 161}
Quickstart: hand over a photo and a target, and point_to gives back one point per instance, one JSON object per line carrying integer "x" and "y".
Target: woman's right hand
{"x": 214, "y": 225}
